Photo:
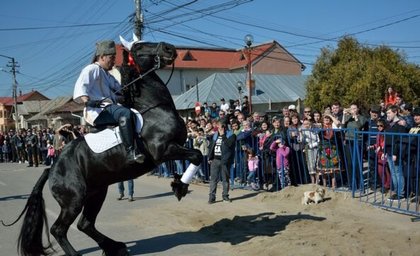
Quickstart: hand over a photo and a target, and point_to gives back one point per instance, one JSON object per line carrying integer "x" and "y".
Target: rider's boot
{"x": 127, "y": 136}
{"x": 133, "y": 156}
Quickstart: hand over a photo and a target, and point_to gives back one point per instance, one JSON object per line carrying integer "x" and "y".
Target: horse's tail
{"x": 30, "y": 237}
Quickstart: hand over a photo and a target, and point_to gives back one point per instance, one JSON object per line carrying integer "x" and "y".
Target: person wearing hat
{"x": 97, "y": 89}
{"x": 292, "y": 107}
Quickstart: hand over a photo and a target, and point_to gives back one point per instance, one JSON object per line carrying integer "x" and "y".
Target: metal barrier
{"x": 388, "y": 179}
{"x": 327, "y": 157}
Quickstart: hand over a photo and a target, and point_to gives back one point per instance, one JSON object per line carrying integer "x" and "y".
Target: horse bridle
{"x": 155, "y": 67}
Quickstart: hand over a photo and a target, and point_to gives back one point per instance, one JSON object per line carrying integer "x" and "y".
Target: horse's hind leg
{"x": 86, "y": 224}
{"x": 60, "y": 227}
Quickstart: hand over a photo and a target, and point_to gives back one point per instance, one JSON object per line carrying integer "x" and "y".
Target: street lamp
{"x": 240, "y": 85}
{"x": 14, "y": 89}
{"x": 249, "y": 39}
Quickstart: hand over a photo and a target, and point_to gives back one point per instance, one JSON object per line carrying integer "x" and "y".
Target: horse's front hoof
{"x": 117, "y": 249}
{"x": 179, "y": 188}
{"x": 120, "y": 252}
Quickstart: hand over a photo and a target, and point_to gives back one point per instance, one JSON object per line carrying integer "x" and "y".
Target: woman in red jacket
{"x": 390, "y": 96}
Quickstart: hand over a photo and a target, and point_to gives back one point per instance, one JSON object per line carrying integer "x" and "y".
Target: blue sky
{"x": 53, "y": 40}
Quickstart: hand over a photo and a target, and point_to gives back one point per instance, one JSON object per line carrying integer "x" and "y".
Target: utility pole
{"x": 13, "y": 66}
{"x": 196, "y": 89}
{"x": 15, "y": 94}
{"x": 138, "y": 22}
{"x": 249, "y": 39}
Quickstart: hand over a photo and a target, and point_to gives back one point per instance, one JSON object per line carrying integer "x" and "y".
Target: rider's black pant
{"x": 118, "y": 115}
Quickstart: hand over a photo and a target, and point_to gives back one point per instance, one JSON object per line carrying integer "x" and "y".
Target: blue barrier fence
{"x": 375, "y": 167}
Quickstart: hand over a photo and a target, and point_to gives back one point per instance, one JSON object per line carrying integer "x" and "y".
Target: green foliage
{"x": 356, "y": 73}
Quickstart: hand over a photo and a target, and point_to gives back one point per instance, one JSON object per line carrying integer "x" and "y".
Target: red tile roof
{"x": 199, "y": 58}
{"x": 212, "y": 58}
{"x": 8, "y": 101}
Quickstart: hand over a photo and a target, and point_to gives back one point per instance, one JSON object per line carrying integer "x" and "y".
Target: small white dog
{"x": 316, "y": 196}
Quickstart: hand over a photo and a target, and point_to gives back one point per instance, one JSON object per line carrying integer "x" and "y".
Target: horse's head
{"x": 147, "y": 54}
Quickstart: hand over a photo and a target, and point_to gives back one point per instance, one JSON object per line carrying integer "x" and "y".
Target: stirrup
{"x": 132, "y": 156}
{"x": 139, "y": 158}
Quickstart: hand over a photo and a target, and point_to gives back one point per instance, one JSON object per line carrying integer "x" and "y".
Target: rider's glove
{"x": 93, "y": 103}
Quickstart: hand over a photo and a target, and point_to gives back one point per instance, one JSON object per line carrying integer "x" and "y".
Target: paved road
{"x": 17, "y": 181}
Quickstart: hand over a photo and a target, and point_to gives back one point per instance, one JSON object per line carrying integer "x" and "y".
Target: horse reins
{"x": 155, "y": 67}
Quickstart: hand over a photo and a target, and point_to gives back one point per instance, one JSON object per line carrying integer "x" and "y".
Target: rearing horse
{"x": 80, "y": 178}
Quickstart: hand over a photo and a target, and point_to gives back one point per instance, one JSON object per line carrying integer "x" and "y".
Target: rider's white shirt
{"x": 97, "y": 84}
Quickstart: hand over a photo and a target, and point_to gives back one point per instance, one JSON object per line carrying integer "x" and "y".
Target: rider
{"x": 98, "y": 89}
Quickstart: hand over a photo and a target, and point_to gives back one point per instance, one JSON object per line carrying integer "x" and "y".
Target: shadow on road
{"x": 154, "y": 196}
{"x": 15, "y": 197}
{"x": 234, "y": 231}
{"x": 245, "y": 196}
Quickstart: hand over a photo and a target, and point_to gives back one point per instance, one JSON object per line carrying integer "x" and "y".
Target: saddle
{"x": 106, "y": 137}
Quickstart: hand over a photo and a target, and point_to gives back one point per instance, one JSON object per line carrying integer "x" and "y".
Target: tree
{"x": 360, "y": 74}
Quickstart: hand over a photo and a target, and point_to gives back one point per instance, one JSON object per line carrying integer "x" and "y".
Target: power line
{"x": 60, "y": 27}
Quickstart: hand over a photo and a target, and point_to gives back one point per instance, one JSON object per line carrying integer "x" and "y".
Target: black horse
{"x": 80, "y": 178}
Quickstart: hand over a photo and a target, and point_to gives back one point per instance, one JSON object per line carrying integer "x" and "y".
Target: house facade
{"x": 8, "y": 111}
{"x": 194, "y": 64}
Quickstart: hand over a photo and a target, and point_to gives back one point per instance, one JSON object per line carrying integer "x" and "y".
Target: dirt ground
{"x": 277, "y": 223}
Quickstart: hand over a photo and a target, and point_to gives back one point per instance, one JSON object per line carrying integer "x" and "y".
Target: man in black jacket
{"x": 412, "y": 156}
{"x": 221, "y": 156}
{"x": 32, "y": 148}
{"x": 392, "y": 152}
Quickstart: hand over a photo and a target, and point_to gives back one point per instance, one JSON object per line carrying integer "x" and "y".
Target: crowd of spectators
{"x": 35, "y": 146}
{"x": 289, "y": 148}
{"x": 318, "y": 146}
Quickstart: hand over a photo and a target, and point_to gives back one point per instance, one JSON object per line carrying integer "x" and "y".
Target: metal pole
{"x": 15, "y": 94}
{"x": 249, "y": 82}
{"x": 196, "y": 85}
{"x": 14, "y": 89}
{"x": 138, "y": 23}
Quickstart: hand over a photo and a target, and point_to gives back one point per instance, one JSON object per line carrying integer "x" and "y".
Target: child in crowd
{"x": 282, "y": 162}
{"x": 311, "y": 140}
{"x": 252, "y": 168}
{"x": 50, "y": 153}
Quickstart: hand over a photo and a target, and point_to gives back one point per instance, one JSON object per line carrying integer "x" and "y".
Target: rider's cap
{"x": 105, "y": 48}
